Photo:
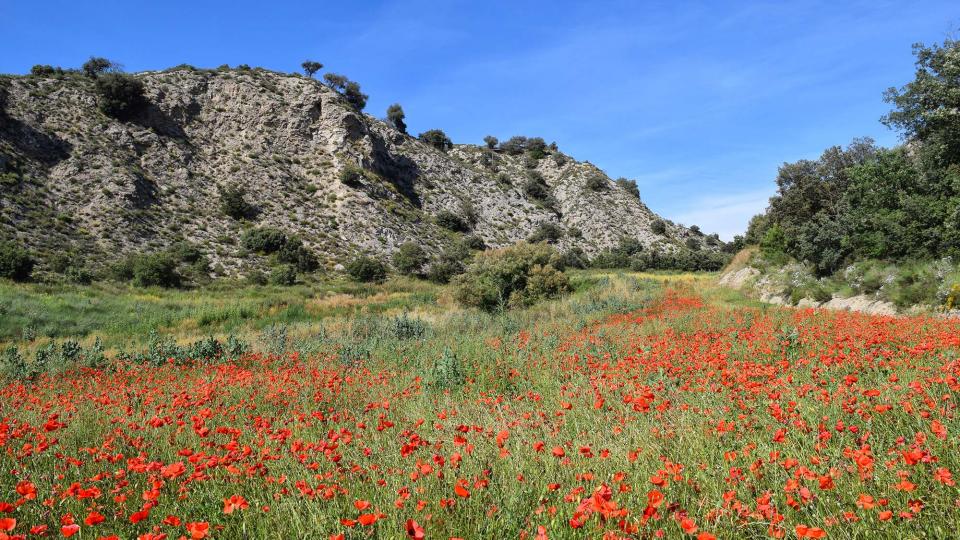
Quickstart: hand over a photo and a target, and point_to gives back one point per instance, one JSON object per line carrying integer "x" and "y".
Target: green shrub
{"x": 658, "y": 226}
{"x": 121, "y": 96}
{"x": 437, "y": 139}
{"x": 351, "y": 175}
{"x": 548, "y": 232}
{"x": 16, "y": 263}
{"x": 157, "y": 269}
{"x": 447, "y": 372}
{"x": 283, "y": 275}
{"x": 450, "y": 221}
{"x": 597, "y": 182}
{"x": 366, "y": 269}
{"x": 409, "y": 259}
{"x": 406, "y": 327}
{"x": 490, "y": 141}
{"x": 234, "y": 204}
{"x": 255, "y": 277}
{"x": 264, "y": 240}
{"x": 630, "y": 186}
{"x": 474, "y": 243}
{"x": 293, "y": 252}
{"x": 443, "y": 271}
{"x": 536, "y": 188}
{"x": 510, "y": 277}
{"x": 573, "y": 258}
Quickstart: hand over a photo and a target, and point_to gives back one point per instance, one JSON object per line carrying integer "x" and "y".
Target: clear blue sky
{"x": 698, "y": 101}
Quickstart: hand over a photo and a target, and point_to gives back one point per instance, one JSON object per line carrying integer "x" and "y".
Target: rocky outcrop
{"x": 75, "y": 179}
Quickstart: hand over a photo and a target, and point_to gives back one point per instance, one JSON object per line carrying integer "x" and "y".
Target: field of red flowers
{"x": 685, "y": 419}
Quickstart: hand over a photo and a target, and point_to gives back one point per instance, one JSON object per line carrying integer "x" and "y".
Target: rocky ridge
{"x": 73, "y": 179}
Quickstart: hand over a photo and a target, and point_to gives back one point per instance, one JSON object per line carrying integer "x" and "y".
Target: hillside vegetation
{"x": 869, "y": 220}
{"x": 177, "y": 177}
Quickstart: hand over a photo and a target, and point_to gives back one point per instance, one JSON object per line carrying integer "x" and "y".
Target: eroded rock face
{"x": 76, "y": 179}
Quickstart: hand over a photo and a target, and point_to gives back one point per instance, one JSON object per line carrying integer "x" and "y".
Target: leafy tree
{"x": 16, "y": 263}
{"x": 336, "y": 81}
{"x": 514, "y": 146}
{"x": 155, "y": 270}
{"x": 294, "y": 253}
{"x": 44, "y": 70}
{"x": 233, "y": 203}
{"x": 366, "y": 269}
{"x": 926, "y": 108}
{"x": 396, "y": 116}
{"x": 96, "y": 65}
{"x": 356, "y": 98}
{"x": 409, "y": 259}
{"x": 121, "y": 96}
{"x": 491, "y": 141}
{"x": 310, "y": 67}
{"x": 437, "y": 139}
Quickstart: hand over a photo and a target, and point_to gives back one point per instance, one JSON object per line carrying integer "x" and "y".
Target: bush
{"x": 264, "y": 240}
{"x": 511, "y": 277}
{"x": 121, "y": 96}
{"x": 437, "y": 139}
{"x": 490, "y": 141}
{"x": 573, "y": 258}
{"x": 293, "y": 252}
{"x": 16, "y": 263}
{"x": 443, "y": 271}
{"x": 234, "y": 204}
{"x": 620, "y": 256}
{"x": 366, "y": 269}
{"x": 630, "y": 186}
{"x": 692, "y": 243}
{"x": 284, "y": 275}
{"x": 449, "y": 220}
{"x": 409, "y": 259}
{"x": 536, "y": 188}
{"x": 658, "y": 227}
{"x": 548, "y": 232}
{"x": 351, "y": 175}
{"x": 597, "y": 182}
{"x": 474, "y": 243}
{"x": 155, "y": 270}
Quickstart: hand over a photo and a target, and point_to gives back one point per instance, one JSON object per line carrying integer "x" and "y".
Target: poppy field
{"x": 656, "y": 409}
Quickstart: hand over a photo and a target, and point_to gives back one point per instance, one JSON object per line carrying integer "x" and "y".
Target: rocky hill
{"x": 73, "y": 179}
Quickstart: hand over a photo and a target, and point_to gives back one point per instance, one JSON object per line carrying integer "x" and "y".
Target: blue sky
{"x": 700, "y": 102}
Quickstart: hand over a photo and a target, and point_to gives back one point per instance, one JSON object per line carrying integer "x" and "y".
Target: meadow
{"x": 639, "y": 406}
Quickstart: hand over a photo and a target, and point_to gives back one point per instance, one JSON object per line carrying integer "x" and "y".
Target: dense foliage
{"x": 120, "y": 96}
{"x": 15, "y": 262}
{"x": 366, "y": 269}
{"x": 864, "y": 202}
{"x": 514, "y": 276}
{"x": 437, "y": 139}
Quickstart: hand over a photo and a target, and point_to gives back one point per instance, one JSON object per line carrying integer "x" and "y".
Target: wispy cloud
{"x": 727, "y": 215}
